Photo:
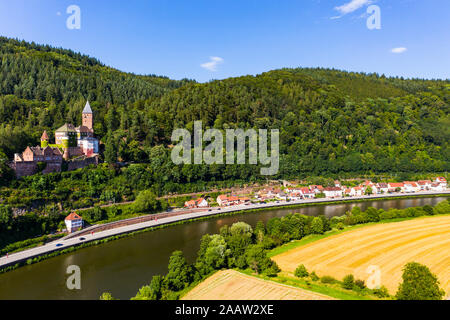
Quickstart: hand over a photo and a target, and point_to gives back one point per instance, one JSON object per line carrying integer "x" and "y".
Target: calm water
{"x": 122, "y": 267}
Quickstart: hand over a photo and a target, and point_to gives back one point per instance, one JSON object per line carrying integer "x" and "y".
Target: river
{"x": 123, "y": 266}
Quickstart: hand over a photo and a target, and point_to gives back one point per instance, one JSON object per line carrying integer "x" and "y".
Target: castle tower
{"x": 44, "y": 140}
{"x": 65, "y": 147}
{"x": 88, "y": 120}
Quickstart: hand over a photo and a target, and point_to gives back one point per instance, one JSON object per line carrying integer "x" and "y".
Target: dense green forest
{"x": 332, "y": 123}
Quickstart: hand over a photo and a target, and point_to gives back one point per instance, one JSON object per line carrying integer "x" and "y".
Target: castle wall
{"x": 79, "y": 164}
{"x": 25, "y": 168}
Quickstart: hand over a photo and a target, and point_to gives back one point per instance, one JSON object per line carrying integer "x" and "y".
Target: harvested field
{"x": 389, "y": 246}
{"x": 233, "y": 285}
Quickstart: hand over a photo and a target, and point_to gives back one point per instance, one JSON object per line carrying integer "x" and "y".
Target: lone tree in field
{"x": 419, "y": 284}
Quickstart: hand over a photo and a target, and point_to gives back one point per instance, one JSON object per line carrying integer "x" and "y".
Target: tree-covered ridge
{"x": 324, "y": 129}
{"x": 37, "y": 72}
{"x": 331, "y": 122}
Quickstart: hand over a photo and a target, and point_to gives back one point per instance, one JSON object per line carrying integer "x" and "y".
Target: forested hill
{"x": 331, "y": 121}
{"x": 42, "y": 87}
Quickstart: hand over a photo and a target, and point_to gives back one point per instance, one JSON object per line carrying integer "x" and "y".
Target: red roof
{"x": 396, "y": 185}
{"x": 44, "y": 135}
{"x": 333, "y": 189}
{"x": 73, "y": 216}
{"x": 305, "y": 190}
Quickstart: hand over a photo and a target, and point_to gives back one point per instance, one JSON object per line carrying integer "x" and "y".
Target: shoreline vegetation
{"x": 243, "y": 248}
{"x": 249, "y": 211}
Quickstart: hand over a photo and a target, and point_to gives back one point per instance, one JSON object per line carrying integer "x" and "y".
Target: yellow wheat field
{"x": 232, "y": 285}
{"x": 389, "y": 246}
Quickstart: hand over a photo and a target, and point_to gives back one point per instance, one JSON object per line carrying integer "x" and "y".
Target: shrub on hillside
{"x": 419, "y": 284}
{"x": 348, "y": 282}
{"x": 327, "y": 279}
{"x": 301, "y": 271}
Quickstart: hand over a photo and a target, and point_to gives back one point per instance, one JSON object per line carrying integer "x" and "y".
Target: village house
{"x": 307, "y": 193}
{"x": 383, "y": 188}
{"x": 333, "y": 192}
{"x": 316, "y": 188}
{"x": 435, "y": 186}
{"x": 295, "y": 196}
{"x": 356, "y": 191}
{"x": 424, "y": 184}
{"x": 224, "y": 200}
{"x": 396, "y": 186}
{"x": 442, "y": 181}
{"x": 73, "y": 222}
{"x": 197, "y": 203}
{"x": 410, "y": 186}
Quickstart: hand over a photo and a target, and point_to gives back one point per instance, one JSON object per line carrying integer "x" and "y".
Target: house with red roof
{"x": 224, "y": 200}
{"x": 394, "y": 186}
{"x": 333, "y": 192}
{"x": 410, "y": 186}
{"x": 356, "y": 191}
{"x": 197, "y": 203}
{"x": 442, "y": 181}
{"x": 73, "y": 222}
{"x": 307, "y": 193}
{"x": 424, "y": 184}
{"x": 316, "y": 188}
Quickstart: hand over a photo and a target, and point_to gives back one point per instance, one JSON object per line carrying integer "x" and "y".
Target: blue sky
{"x": 213, "y": 39}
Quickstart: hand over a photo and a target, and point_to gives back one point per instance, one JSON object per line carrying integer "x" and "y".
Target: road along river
{"x": 123, "y": 266}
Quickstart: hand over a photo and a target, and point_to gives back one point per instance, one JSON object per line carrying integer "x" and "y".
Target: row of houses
{"x": 315, "y": 191}
{"x": 339, "y": 191}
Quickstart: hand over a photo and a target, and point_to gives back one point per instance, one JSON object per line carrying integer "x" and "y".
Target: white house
{"x": 442, "y": 181}
{"x": 424, "y": 184}
{"x": 383, "y": 188}
{"x": 198, "y": 203}
{"x": 411, "y": 186}
{"x": 73, "y": 222}
{"x": 356, "y": 191}
{"x": 437, "y": 187}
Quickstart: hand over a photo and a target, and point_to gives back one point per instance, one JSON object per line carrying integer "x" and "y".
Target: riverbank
{"x": 50, "y": 250}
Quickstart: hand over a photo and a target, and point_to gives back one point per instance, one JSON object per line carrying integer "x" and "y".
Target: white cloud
{"x": 351, "y": 6}
{"x": 399, "y": 50}
{"x": 212, "y": 65}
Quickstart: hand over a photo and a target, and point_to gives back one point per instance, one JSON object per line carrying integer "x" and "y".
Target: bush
{"x": 301, "y": 271}
{"x": 381, "y": 293}
{"x": 419, "y": 284}
{"x": 314, "y": 276}
{"x": 327, "y": 279}
{"x": 348, "y": 282}
{"x": 340, "y": 226}
{"x": 360, "y": 284}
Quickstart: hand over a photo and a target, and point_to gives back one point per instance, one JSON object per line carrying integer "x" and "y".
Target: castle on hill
{"x": 75, "y": 145}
